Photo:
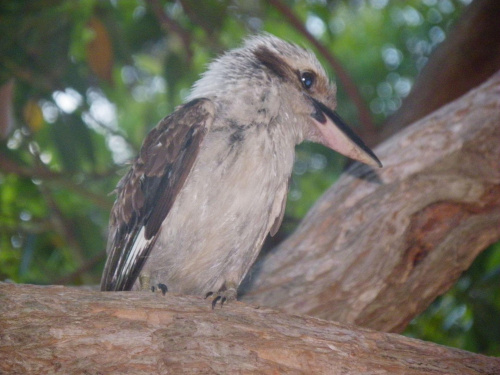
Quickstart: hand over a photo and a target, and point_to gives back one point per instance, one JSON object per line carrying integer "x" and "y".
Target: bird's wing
{"x": 147, "y": 192}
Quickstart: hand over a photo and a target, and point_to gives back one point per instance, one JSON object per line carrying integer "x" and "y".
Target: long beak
{"x": 338, "y": 136}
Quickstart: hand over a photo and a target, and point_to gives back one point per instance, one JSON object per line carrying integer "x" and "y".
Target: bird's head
{"x": 269, "y": 80}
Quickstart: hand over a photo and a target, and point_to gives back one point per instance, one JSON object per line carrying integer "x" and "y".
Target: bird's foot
{"x": 144, "y": 279}
{"x": 144, "y": 282}
{"x": 159, "y": 288}
{"x": 225, "y": 294}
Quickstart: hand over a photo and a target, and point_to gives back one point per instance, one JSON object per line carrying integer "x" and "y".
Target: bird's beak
{"x": 336, "y": 135}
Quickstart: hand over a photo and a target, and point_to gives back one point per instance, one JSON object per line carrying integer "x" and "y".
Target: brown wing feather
{"x": 147, "y": 192}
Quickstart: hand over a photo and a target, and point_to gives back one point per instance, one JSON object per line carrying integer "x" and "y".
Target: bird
{"x": 211, "y": 179}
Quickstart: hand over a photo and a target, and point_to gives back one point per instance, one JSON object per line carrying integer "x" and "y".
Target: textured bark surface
{"x": 381, "y": 245}
{"x": 47, "y": 330}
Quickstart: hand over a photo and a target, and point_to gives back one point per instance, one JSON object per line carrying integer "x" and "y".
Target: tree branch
{"x": 172, "y": 26}
{"x": 67, "y": 330}
{"x": 82, "y": 270}
{"x": 62, "y": 224}
{"x": 381, "y": 245}
{"x": 41, "y": 172}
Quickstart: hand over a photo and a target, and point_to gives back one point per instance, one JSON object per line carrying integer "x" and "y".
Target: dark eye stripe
{"x": 307, "y": 79}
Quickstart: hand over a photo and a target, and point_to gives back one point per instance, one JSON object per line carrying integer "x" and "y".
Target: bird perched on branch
{"x": 211, "y": 179}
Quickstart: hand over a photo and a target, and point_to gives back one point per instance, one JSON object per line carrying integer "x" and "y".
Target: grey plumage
{"x": 211, "y": 179}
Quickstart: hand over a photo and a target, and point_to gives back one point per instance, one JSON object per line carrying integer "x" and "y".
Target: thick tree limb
{"x": 381, "y": 245}
{"x": 47, "y": 330}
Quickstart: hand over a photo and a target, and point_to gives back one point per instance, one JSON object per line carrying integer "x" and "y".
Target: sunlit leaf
{"x": 33, "y": 115}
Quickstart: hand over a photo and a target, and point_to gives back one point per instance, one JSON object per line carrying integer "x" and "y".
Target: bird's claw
{"x": 161, "y": 287}
{"x": 223, "y": 295}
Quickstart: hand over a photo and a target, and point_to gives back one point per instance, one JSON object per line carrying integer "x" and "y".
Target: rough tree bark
{"x": 48, "y": 330}
{"x": 381, "y": 245}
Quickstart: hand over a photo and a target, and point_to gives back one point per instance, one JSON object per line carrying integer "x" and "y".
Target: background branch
{"x": 170, "y": 25}
{"x": 63, "y": 224}
{"x": 81, "y": 271}
{"x": 64, "y": 179}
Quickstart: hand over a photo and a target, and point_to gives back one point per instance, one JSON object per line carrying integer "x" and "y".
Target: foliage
{"x": 465, "y": 317}
{"x": 91, "y": 78}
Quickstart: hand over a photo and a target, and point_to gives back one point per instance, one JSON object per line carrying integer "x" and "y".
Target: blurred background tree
{"x": 82, "y": 83}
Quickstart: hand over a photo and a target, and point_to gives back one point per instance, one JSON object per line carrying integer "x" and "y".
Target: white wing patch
{"x": 140, "y": 244}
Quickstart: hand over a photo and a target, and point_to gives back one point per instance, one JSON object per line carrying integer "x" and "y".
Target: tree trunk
{"x": 381, "y": 245}
{"x": 47, "y": 330}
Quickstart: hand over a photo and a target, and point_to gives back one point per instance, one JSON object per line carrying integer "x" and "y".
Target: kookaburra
{"x": 211, "y": 179}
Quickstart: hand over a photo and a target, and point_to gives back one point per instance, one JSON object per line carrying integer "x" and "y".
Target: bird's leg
{"x": 228, "y": 292}
{"x": 144, "y": 280}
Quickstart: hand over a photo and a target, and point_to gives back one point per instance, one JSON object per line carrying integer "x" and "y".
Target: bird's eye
{"x": 307, "y": 79}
